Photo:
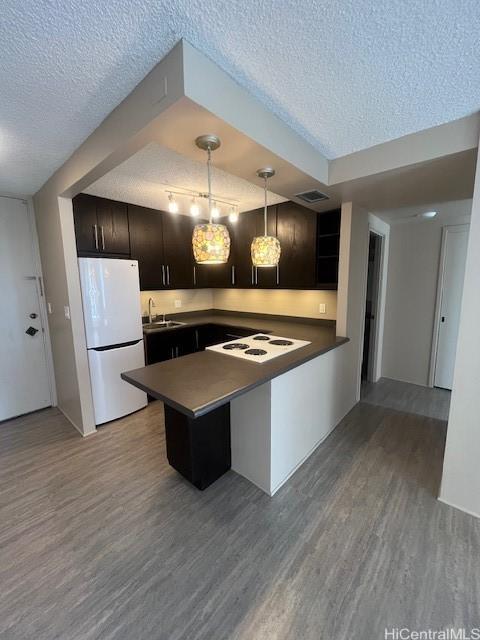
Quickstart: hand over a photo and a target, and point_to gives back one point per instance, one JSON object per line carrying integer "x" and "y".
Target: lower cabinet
{"x": 166, "y": 345}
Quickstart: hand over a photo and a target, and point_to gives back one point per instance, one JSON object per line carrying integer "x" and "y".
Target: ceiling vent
{"x": 312, "y": 197}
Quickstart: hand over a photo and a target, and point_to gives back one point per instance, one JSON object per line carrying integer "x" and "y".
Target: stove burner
{"x": 256, "y": 352}
{"x": 235, "y": 345}
{"x": 261, "y": 338}
{"x": 281, "y": 343}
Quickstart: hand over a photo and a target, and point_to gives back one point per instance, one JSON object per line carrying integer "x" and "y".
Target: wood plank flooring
{"x": 411, "y": 398}
{"x": 101, "y": 539}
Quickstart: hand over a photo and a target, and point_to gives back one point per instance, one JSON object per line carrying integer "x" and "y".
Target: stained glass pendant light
{"x": 211, "y": 242}
{"x": 265, "y": 249}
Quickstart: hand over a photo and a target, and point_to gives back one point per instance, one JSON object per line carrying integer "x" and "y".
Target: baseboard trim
{"x": 72, "y": 422}
{"x": 417, "y": 384}
{"x": 307, "y": 455}
{"x": 455, "y": 506}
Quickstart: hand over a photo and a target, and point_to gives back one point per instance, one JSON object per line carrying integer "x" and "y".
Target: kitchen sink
{"x": 160, "y": 324}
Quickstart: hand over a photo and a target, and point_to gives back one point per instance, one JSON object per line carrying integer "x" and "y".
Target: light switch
{"x": 322, "y": 308}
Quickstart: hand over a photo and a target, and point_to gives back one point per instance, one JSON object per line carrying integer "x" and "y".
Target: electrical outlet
{"x": 178, "y": 304}
{"x": 67, "y": 312}
{"x": 322, "y": 308}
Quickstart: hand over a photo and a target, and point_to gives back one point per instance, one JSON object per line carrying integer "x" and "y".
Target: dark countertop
{"x": 197, "y": 383}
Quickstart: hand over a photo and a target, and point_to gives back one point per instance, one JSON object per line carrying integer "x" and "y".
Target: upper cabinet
{"x": 101, "y": 226}
{"x": 242, "y": 234}
{"x": 307, "y": 260}
{"x": 162, "y": 244}
{"x": 177, "y": 251}
{"x": 296, "y": 231}
{"x": 146, "y": 243}
{"x": 328, "y": 249}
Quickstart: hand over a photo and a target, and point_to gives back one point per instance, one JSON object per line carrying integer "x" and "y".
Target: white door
{"x": 24, "y": 379}
{"x": 111, "y": 301}
{"x": 454, "y": 257}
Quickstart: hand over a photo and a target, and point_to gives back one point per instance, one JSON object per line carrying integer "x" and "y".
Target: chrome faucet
{"x": 151, "y": 304}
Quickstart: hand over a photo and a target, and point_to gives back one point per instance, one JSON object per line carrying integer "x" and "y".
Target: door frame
{"x": 439, "y": 295}
{"x": 374, "y": 350}
{"x": 40, "y": 287}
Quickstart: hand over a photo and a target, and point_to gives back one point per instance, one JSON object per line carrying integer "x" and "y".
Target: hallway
{"x": 411, "y": 398}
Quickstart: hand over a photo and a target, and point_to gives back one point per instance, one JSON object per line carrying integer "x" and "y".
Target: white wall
{"x": 414, "y": 256}
{"x": 191, "y": 299}
{"x": 352, "y": 289}
{"x": 282, "y": 302}
{"x": 300, "y": 408}
{"x": 120, "y": 134}
{"x": 461, "y": 470}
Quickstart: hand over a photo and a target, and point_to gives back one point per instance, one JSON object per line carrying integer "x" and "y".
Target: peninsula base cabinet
{"x": 162, "y": 244}
{"x": 199, "y": 448}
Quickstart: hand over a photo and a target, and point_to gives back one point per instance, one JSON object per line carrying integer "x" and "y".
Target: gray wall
{"x": 414, "y": 257}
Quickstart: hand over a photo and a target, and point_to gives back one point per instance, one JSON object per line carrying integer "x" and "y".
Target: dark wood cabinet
{"x": 162, "y": 244}
{"x": 242, "y": 235}
{"x": 112, "y": 219}
{"x": 146, "y": 242}
{"x": 101, "y": 226}
{"x": 210, "y": 334}
{"x": 296, "y": 231}
{"x": 327, "y": 249}
{"x": 86, "y": 225}
{"x": 166, "y": 345}
{"x": 177, "y": 251}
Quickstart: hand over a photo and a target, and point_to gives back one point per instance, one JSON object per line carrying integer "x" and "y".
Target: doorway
{"x": 375, "y": 248}
{"x": 24, "y": 372}
{"x": 449, "y": 302}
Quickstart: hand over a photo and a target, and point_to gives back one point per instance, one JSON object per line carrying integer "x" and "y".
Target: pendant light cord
{"x": 209, "y": 184}
{"x": 265, "y": 209}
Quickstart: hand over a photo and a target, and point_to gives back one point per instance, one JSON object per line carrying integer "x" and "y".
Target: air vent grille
{"x": 311, "y": 197}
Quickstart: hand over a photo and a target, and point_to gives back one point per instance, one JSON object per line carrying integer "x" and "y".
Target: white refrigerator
{"x": 113, "y": 328}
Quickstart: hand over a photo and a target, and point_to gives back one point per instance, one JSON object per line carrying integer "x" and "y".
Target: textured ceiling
{"x": 455, "y": 212}
{"x": 345, "y": 74}
{"x": 144, "y": 177}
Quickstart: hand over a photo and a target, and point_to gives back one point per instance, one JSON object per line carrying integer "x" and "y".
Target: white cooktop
{"x": 259, "y": 347}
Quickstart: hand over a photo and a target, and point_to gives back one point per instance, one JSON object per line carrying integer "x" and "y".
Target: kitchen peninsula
{"x": 262, "y": 419}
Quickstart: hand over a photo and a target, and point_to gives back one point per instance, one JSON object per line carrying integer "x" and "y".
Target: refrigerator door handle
{"x": 117, "y": 346}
